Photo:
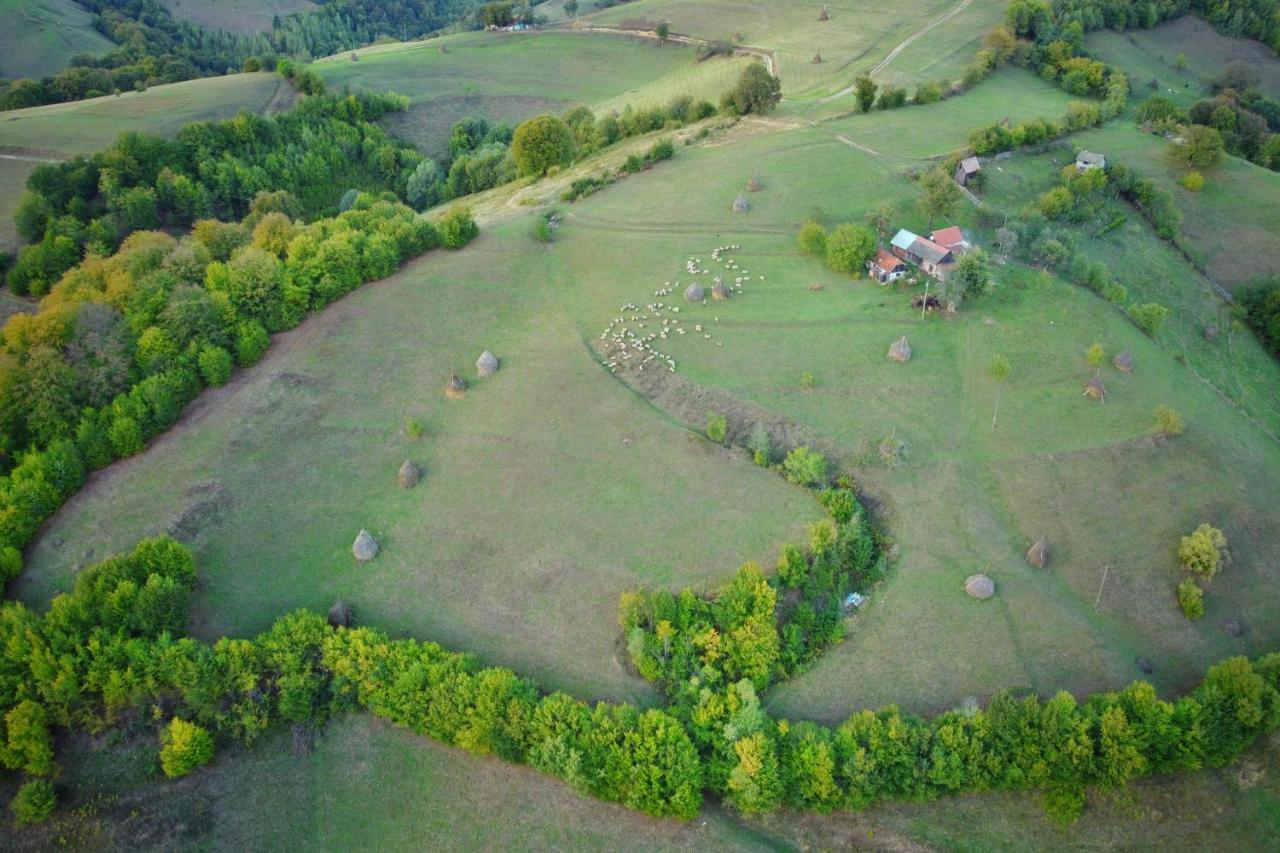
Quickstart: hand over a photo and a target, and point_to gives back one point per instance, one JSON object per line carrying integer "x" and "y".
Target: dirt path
{"x": 28, "y": 158}
{"x": 903, "y": 45}
{"x": 770, "y": 58}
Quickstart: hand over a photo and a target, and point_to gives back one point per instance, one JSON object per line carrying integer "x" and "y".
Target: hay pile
{"x": 1211, "y": 333}
{"x": 365, "y": 548}
{"x": 823, "y": 16}
{"x": 487, "y": 364}
{"x": 817, "y": 59}
{"x": 740, "y": 204}
{"x": 409, "y": 474}
{"x": 900, "y": 350}
{"x": 718, "y": 290}
{"x": 1096, "y": 390}
{"x": 455, "y": 387}
{"x": 340, "y": 614}
{"x": 694, "y": 293}
{"x": 1038, "y": 554}
{"x": 753, "y": 184}
{"x": 980, "y": 587}
{"x": 1124, "y": 362}
{"x": 444, "y": 48}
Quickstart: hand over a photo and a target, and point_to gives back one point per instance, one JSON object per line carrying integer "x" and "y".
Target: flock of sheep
{"x": 631, "y": 339}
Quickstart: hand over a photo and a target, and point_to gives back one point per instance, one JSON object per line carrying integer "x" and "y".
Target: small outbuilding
{"x": 1038, "y": 554}
{"x": 1123, "y": 362}
{"x": 980, "y": 587}
{"x": 1095, "y": 390}
{"x": 1087, "y": 160}
{"x": 340, "y": 615}
{"x": 694, "y": 293}
{"x": 455, "y": 387}
{"x": 886, "y": 267}
{"x": 409, "y": 474}
{"x": 967, "y": 168}
{"x": 487, "y": 364}
{"x": 365, "y": 548}
{"x": 900, "y": 350}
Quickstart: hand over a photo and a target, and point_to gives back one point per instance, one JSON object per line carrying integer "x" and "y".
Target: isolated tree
{"x": 1000, "y": 43}
{"x": 849, "y": 247}
{"x": 1191, "y": 599}
{"x": 805, "y": 467}
{"x": 540, "y": 143}
{"x": 812, "y": 238}
{"x": 1095, "y": 355}
{"x": 1202, "y": 147}
{"x": 880, "y": 218}
{"x": 664, "y": 32}
{"x": 571, "y": 7}
{"x": 757, "y": 91}
{"x": 998, "y": 369}
{"x": 939, "y": 194}
{"x": 865, "y": 91}
{"x": 972, "y": 275}
{"x": 1204, "y": 551}
{"x": 1168, "y": 422}
{"x": 186, "y": 746}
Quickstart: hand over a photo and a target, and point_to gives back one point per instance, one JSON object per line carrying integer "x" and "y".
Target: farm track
{"x": 769, "y": 57}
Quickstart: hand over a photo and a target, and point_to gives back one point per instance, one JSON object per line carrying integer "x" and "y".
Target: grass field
{"x": 39, "y": 37}
{"x": 512, "y": 76}
{"x": 1144, "y": 54}
{"x": 243, "y": 16}
{"x": 1232, "y": 226}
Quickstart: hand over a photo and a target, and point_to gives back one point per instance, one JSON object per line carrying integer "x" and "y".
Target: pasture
{"x": 1147, "y": 54}
{"x": 242, "y": 16}
{"x": 513, "y": 76}
{"x": 40, "y": 36}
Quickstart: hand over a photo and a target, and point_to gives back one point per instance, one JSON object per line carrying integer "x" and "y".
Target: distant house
{"x": 923, "y": 252}
{"x": 886, "y": 267}
{"x": 952, "y": 239}
{"x": 1087, "y": 160}
{"x": 966, "y": 169}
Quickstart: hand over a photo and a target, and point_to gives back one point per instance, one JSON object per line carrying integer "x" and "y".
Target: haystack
{"x": 1144, "y": 665}
{"x": 1124, "y": 362}
{"x": 340, "y": 614}
{"x": 409, "y": 474}
{"x": 823, "y": 16}
{"x": 980, "y": 587}
{"x": 444, "y": 48}
{"x": 1038, "y": 554}
{"x": 718, "y": 290}
{"x": 365, "y": 547}
{"x": 1096, "y": 390}
{"x": 817, "y": 59}
{"x": 694, "y": 293}
{"x": 1211, "y": 333}
{"x": 740, "y": 204}
{"x": 455, "y": 387}
{"x": 487, "y": 363}
{"x": 354, "y": 57}
{"x": 753, "y": 184}
{"x": 1232, "y": 627}
{"x": 900, "y": 350}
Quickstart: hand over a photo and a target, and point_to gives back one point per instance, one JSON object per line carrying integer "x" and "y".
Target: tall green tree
{"x": 540, "y": 143}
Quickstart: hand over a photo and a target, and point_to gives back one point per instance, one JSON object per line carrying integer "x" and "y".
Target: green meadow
{"x": 41, "y": 36}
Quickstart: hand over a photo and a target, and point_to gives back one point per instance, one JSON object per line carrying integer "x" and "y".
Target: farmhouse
{"x": 952, "y": 239}
{"x": 886, "y": 267}
{"x": 1087, "y": 160}
{"x": 966, "y": 169}
{"x": 923, "y": 252}
{"x": 901, "y": 244}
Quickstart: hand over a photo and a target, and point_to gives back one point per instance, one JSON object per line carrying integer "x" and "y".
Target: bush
{"x": 1149, "y": 317}
{"x": 125, "y": 435}
{"x": 215, "y": 365}
{"x": 716, "y": 427}
{"x": 1193, "y": 182}
{"x": 1168, "y": 422}
{"x": 10, "y": 564}
{"x": 540, "y": 143}
{"x": 457, "y": 228}
{"x": 413, "y": 428}
{"x": 252, "y": 342}
{"x": 1204, "y": 551}
{"x": 34, "y": 802}
{"x": 812, "y": 238}
{"x": 757, "y": 91}
{"x": 805, "y": 467}
{"x": 184, "y": 747}
{"x": 1190, "y": 599}
{"x": 759, "y": 445}
{"x": 849, "y": 247}
{"x": 793, "y": 565}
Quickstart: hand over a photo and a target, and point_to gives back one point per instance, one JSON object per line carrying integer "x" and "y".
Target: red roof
{"x": 887, "y": 261}
{"x": 948, "y": 236}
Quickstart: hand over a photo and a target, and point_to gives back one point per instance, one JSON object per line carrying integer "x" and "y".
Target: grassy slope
{"x": 244, "y": 16}
{"x": 1144, "y": 54}
{"x": 39, "y": 37}
{"x": 531, "y": 509}
{"x": 512, "y": 76}
{"x": 1232, "y": 225}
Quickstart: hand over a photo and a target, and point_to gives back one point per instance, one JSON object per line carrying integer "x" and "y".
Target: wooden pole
{"x": 1105, "y": 569}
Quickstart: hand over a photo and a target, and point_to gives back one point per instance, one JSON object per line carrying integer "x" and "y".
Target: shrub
{"x": 10, "y": 564}
{"x": 34, "y": 802}
{"x": 805, "y": 467}
{"x": 1149, "y": 317}
{"x": 215, "y": 365}
{"x": 717, "y": 427}
{"x": 542, "y": 230}
{"x": 252, "y": 342}
{"x": 1168, "y": 422}
{"x": 125, "y": 435}
{"x": 1190, "y": 599}
{"x": 1204, "y": 551}
{"x": 457, "y": 228}
{"x": 812, "y": 238}
{"x": 759, "y": 445}
{"x": 793, "y": 565}
{"x": 1193, "y": 182}
{"x": 757, "y": 91}
{"x": 849, "y": 247}
{"x": 413, "y": 428}
{"x": 184, "y": 747}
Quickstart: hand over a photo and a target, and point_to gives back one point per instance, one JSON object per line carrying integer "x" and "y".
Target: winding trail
{"x": 903, "y": 45}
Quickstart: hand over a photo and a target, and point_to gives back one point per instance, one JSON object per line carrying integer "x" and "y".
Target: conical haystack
{"x": 1096, "y": 390}
{"x": 1038, "y": 554}
{"x": 487, "y": 363}
{"x": 718, "y": 290}
{"x": 365, "y": 547}
{"x": 455, "y": 387}
{"x": 900, "y": 350}
{"x": 409, "y": 474}
{"x": 753, "y": 184}
{"x": 340, "y": 614}
{"x": 740, "y": 204}
{"x": 1124, "y": 362}
{"x": 444, "y": 48}
{"x": 817, "y": 59}
{"x": 694, "y": 293}
{"x": 980, "y": 587}
{"x": 823, "y": 16}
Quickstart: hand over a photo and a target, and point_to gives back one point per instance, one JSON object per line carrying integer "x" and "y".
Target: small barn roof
{"x": 1090, "y": 158}
{"x": 980, "y": 586}
{"x": 929, "y": 250}
{"x": 887, "y": 261}
{"x": 903, "y": 239}
{"x": 970, "y": 165}
{"x": 949, "y": 236}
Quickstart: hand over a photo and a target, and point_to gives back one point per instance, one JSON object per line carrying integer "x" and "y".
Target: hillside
{"x": 242, "y": 16}
{"x": 41, "y": 36}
